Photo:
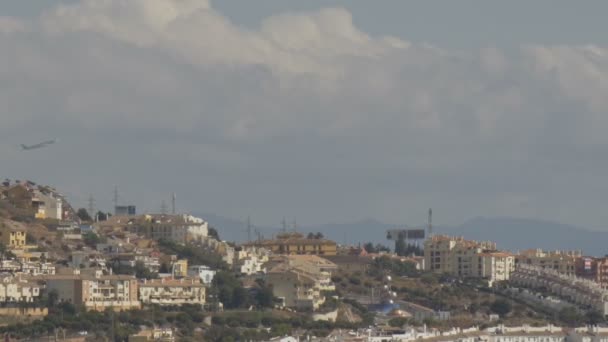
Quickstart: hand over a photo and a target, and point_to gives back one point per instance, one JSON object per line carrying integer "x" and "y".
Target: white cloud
{"x": 307, "y": 104}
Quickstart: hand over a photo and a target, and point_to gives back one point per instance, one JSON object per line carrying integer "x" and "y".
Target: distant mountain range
{"x": 510, "y": 233}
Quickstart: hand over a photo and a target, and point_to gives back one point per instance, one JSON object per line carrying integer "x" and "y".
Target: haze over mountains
{"x": 510, "y": 233}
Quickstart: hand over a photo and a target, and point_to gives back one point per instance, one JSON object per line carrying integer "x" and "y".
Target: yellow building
{"x": 12, "y": 237}
{"x": 180, "y": 268}
{"x": 297, "y": 244}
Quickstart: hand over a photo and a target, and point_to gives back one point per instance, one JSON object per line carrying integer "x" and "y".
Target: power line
{"x": 173, "y": 198}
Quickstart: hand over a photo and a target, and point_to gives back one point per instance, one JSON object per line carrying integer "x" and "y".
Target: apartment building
{"x": 96, "y": 292}
{"x": 576, "y": 290}
{"x": 591, "y": 268}
{"x": 18, "y": 290}
{"x": 38, "y": 268}
{"x": 467, "y": 258}
{"x": 177, "y": 228}
{"x": 296, "y": 244}
{"x": 299, "y": 281}
{"x": 47, "y": 205}
{"x": 251, "y": 260}
{"x": 561, "y": 261}
{"x": 170, "y": 291}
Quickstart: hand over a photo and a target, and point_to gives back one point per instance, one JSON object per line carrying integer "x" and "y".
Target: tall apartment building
{"x": 467, "y": 258}
{"x": 96, "y": 292}
{"x": 561, "y": 261}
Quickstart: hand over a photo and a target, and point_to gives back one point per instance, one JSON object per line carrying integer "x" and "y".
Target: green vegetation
{"x": 83, "y": 215}
{"x": 370, "y": 248}
{"x": 139, "y": 271}
{"x": 212, "y": 232}
{"x": 91, "y": 239}
{"x": 501, "y": 307}
{"x": 107, "y": 325}
{"x": 196, "y": 255}
{"x": 387, "y": 265}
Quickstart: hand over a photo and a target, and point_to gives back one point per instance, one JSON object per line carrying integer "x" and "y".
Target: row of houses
{"x": 99, "y": 291}
{"x": 500, "y": 333}
{"x": 577, "y": 290}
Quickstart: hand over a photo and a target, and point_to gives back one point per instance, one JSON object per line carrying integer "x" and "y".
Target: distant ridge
{"x": 512, "y": 234}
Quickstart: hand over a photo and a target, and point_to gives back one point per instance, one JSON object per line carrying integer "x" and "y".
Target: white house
{"x": 205, "y": 273}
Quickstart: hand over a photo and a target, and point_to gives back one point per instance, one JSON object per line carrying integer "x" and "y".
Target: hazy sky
{"x": 329, "y": 111}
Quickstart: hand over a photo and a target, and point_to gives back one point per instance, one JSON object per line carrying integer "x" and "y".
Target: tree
{"x": 83, "y": 215}
{"x": 212, "y": 232}
{"x": 570, "y": 316}
{"x": 230, "y": 291}
{"x": 369, "y": 247}
{"x": 594, "y": 317}
{"x": 501, "y": 307}
{"x": 397, "y": 322}
{"x": 101, "y": 216}
{"x": 264, "y": 298}
{"x": 319, "y": 236}
{"x": 400, "y": 247}
{"x": 91, "y": 239}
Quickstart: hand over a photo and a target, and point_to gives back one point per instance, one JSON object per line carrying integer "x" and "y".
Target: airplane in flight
{"x": 37, "y": 146}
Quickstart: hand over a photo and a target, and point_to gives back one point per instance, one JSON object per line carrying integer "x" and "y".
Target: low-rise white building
{"x": 15, "y": 290}
{"x": 251, "y": 260}
{"x": 204, "y": 273}
{"x": 167, "y": 291}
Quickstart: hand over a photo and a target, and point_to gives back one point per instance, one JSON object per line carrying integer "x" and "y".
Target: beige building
{"x": 297, "y": 244}
{"x": 177, "y": 228}
{"x": 300, "y": 280}
{"x": 561, "y": 261}
{"x": 467, "y": 258}
{"x": 156, "y": 335}
{"x": 168, "y": 291}
{"x": 96, "y": 292}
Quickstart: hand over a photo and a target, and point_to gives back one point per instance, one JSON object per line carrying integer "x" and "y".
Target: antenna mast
{"x": 92, "y": 208}
{"x": 173, "y": 198}
{"x": 248, "y": 229}
{"x": 430, "y": 222}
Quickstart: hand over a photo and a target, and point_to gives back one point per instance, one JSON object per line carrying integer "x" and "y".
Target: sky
{"x": 323, "y": 110}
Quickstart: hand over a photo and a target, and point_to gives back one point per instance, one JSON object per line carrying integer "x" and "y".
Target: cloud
{"x": 306, "y": 115}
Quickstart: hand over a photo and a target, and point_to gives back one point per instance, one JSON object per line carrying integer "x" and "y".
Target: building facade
{"x": 172, "y": 291}
{"x": 96, "y": 292}
{"x": 467, "y": 258}
{"x": 561, "y": 261}
{"x": 17, "y": 290}
{"x": 296, "y": 244}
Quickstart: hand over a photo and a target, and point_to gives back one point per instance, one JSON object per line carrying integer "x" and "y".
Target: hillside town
{"x": 69, "y": 274}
